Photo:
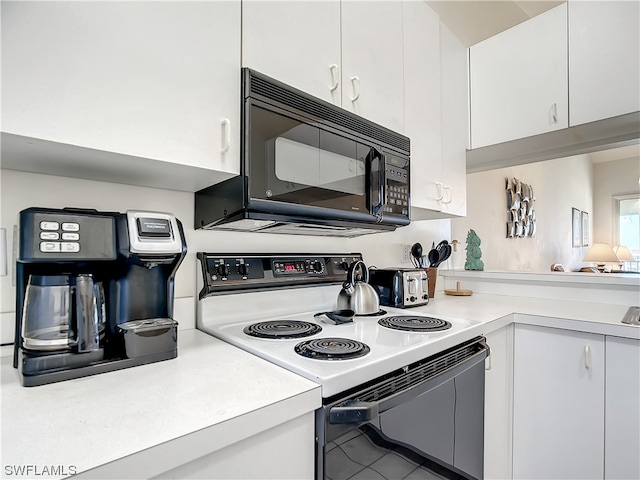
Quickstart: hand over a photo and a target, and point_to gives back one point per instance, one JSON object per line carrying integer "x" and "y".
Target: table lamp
{"x": 600, "y": 254}
{"x": 624, "y": 254}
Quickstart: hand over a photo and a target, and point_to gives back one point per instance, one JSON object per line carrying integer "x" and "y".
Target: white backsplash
{"x": 20, "y": 190}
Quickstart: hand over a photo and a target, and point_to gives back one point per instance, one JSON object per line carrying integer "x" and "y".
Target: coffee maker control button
{"x": 72, "y": 247}
{"x": 49, "y": 236}
{"x": 49, "y": 226}
{"x": 49, "y": 246}
{"x": 71, "y": 227}
{"x": 71, "y": 236}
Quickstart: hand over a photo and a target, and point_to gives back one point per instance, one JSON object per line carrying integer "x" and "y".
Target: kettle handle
{"x": 351, "y": 274}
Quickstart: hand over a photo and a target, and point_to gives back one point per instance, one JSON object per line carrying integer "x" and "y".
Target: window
{"x": 628, "y": 227}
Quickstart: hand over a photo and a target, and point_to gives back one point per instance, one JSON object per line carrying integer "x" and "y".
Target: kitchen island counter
{"x": 495, "y": 311}
{"x": 153, "y": 418}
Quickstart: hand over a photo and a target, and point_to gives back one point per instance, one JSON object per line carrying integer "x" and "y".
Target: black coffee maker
{"x": 94, "y": 291}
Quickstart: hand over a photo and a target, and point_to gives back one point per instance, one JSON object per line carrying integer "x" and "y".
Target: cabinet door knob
{"x": 355, "y": 82}
{"x": 554, "y": 112}
{"x": 226, "y": 135}
{"x": 440, "y": 189}
{"x": 335, "y": 80}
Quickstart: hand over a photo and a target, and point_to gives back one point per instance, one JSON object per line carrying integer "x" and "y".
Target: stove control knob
{"x": 223, "y": 270}
{"x": 317, "y": 266}
{"x": 243, "y": 269}
{"x": 413, "y": 299}
{"x": 344, "y": 266}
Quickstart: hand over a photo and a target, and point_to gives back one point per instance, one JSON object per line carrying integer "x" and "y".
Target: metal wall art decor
{"x": 521, "y": 215}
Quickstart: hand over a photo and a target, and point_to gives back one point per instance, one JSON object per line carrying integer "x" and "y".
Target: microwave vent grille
{"x": 326, "y": 112}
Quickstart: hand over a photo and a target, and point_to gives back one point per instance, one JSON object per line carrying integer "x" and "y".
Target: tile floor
{"x": 356, "y": 456}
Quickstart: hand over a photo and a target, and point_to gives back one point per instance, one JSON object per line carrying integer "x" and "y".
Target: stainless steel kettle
{"x": 358, "y": 295}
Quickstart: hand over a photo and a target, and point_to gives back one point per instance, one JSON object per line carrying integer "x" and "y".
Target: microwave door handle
{"x": 382, "y": 182}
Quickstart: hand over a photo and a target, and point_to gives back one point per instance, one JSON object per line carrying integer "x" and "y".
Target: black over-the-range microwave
{"x": 308, "y": 167}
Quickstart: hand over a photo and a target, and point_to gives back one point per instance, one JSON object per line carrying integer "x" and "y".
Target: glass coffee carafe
{"x": 63, "y": 312}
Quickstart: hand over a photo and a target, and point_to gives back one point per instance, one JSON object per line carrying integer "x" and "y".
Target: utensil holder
{"x": 432, "y": 273}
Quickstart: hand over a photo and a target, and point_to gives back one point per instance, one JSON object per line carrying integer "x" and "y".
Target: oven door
{"x": 427, "y": 419}
{"x": 300, "y": 168}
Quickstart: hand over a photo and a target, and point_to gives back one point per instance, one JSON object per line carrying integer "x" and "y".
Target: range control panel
{"x": 228, "y": 273}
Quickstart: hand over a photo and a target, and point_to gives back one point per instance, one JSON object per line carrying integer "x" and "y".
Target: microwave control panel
{"x": 397, "y": 188}
{"x": 231, "y": 273}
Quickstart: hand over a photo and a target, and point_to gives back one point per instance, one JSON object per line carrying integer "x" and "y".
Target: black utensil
{"x": 336, "y": 317}
{"x": 445, "y": 253}
{"x": 441, "y": 245}
{"x": 416, "y": 251}
{"x": 433, "y": 257}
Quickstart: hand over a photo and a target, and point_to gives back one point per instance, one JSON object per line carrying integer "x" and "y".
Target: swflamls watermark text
{"x": 32, "y": 470}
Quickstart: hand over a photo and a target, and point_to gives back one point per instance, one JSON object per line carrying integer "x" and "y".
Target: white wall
{"x": 558, "y": 186}
{"x": 19, "y": 190}
{"x": 619, "y": 177}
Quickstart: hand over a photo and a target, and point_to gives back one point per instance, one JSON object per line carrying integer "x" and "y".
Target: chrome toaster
{"x": 400, "y": 287}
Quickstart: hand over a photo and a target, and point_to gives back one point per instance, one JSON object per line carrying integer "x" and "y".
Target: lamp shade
{"x": 623, "y": 253}
{"x": 601, "y": 253}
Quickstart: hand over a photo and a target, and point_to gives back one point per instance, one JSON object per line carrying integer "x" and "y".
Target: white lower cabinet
{"x": 498, "y": 404}
{"x": 285, "y": 451}
{"x": 259, "y": 457}
{"x": 558, "y": 404}
{"x": 622, "y": 411}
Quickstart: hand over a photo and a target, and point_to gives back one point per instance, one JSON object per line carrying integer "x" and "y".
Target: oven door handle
{"x": 353, "y": 411}
{"x": 356, "y": 411}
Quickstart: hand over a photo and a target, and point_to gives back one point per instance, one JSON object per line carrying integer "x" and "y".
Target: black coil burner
{"x": 282, "y": 329}
{"x": 332, "y": 349}
{"x": 414, "y": 323}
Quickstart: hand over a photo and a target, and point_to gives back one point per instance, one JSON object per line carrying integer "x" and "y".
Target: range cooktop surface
{"x": 278, "y": 324}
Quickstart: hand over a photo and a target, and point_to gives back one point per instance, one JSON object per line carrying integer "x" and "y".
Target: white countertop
{"x": 88, "y": 422}
{"x": 495, "y": 311}
{"x": 216, "y": 388}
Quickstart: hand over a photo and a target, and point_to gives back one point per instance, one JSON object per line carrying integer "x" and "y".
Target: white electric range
{"x": 391, "y": 396}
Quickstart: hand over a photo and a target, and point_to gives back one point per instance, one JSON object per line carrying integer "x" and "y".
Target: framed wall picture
{"x": 576, "y": 227}
{"x": 585, "y": 228}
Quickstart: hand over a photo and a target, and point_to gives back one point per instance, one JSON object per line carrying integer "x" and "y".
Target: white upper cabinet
{"x": 422, "y": 105}
{"x": 604, "y": 59}
{"x": 156, "y": 81}
{"x": 336, "y": 51}
{"x": 372, "y": 61}
{"x": 435, "y": 114}
{"x": 455, "y": 127}
{"x": 518, "y": 80}
{"x": 297, "y": 43}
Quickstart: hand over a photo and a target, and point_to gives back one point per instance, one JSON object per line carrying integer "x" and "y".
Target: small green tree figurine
{"x": 473, "y": 252}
